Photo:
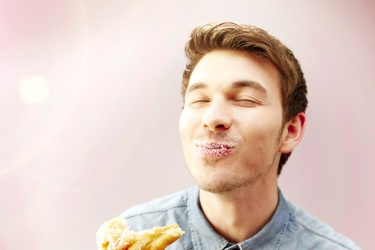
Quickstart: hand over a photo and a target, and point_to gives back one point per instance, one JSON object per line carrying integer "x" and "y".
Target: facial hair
{"x": 225, "y": 185}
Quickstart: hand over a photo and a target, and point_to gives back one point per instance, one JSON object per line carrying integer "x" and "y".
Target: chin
{"x": 216, "y": 189}
{"x": 219, "y": 183}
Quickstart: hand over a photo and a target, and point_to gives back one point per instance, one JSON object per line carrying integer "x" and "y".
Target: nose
{"x": 217, "y": 116}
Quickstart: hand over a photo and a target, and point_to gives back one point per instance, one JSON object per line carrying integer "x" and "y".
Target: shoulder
{"x": 170, "y": 202}
{"x": 314, "y": 233}
{"x": 159, "y": 212}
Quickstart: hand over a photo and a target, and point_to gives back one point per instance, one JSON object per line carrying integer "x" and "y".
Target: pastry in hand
{"x": 116, "y": 235}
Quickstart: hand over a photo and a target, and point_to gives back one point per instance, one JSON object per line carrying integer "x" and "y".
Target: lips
{"x": 215, "y": 149}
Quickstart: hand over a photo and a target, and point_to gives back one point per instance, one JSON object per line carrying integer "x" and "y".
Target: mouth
{"x": 215, "y": 149}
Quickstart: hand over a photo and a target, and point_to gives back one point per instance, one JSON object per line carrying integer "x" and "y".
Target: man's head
{"x": 256, "y": 42}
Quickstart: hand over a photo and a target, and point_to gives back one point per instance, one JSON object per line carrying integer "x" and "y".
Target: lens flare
{"x": 34, "y": 89}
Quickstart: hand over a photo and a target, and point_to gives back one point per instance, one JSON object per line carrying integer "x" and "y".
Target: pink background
{"x": 97, "y": 132}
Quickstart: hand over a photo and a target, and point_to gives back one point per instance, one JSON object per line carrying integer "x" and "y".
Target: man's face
{"x": 231, "y": 123}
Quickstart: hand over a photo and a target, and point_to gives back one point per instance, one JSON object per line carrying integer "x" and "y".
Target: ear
{"x": 292, "y": 133}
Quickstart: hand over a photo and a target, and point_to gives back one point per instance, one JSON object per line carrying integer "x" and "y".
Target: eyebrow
{"x": 237, "y": 85}
{"x": 250, "y": 84}
{"x": 195, "y": 86}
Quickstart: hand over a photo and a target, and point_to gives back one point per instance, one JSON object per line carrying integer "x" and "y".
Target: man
{"x": 244, "y": 102}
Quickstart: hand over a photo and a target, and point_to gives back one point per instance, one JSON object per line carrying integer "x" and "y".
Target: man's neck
{"x": 241, "y": 213}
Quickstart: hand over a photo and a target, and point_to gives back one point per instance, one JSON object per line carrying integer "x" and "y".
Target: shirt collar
{"x": 205, "y": 237}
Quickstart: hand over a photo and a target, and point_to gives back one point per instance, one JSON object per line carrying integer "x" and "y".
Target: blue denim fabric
{"x": 289, "y": 228}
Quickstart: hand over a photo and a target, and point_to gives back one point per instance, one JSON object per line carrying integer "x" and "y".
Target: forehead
{"x": 222, "y": 68}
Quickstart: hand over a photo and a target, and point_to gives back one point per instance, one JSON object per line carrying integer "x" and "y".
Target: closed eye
{"x": 199, "y": 102}
{"x": 246, "y": 102}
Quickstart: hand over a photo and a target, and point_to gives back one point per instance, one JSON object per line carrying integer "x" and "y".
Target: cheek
{"x": 183, "y": 125}
{"x": 186, "y": 126}
{"x": 189, "y": 122}
{"x": 260, "y": 138}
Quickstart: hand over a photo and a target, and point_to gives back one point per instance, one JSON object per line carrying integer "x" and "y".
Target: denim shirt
{"x": 289, "y": 228}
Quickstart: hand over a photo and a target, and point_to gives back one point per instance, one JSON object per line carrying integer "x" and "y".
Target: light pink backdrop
{"x": 90, "y": 102}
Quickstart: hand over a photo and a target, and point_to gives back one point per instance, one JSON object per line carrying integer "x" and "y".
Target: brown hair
{"x": 231, "y": 36}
